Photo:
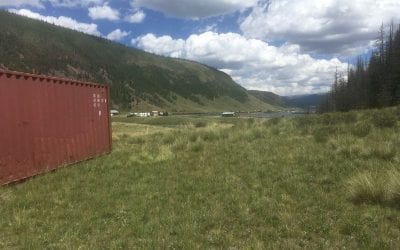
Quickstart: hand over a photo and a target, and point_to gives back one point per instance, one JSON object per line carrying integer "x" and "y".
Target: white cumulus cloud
{"x": 336, "y": 27}
{"x": 137, "y": 17}
{"x": 194, "y": 8}
{"x": 75, "y": 3}
{"x": 19, "y": 3}
{"x": 67, "y": 22}
{"x": 117, "y": 35}
{"x": 104, "y": 12}
{"x": 252, "y": 63}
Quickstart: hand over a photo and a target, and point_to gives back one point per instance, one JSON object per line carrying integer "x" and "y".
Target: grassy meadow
{"x": 318, "y": 181}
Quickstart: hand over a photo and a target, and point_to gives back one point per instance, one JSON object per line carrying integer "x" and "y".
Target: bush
{"x": 384, "y": 119}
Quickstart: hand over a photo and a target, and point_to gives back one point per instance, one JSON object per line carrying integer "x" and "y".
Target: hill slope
{"x": 299, "y": 101}
{"x": 304, "y": 101}
{"x": 136, "y": 77}
{"x": 268, "y": 97}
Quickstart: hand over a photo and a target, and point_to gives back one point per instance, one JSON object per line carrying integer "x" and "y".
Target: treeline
{"x": 372, "y": 83}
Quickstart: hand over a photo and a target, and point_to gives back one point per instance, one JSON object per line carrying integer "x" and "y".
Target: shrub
{"x": 384, "y": 119}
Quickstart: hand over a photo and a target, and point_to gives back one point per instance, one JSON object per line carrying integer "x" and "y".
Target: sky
{"x": 289, "y": 47}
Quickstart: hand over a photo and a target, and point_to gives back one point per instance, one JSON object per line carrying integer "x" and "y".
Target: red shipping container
{"x": 48, "y": 122}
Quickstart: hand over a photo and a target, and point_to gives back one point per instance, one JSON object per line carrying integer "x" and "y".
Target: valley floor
{"x": 329, "y": 181}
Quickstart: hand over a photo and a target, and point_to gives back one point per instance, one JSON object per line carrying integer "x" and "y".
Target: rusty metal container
{"x": 48, "y": 122}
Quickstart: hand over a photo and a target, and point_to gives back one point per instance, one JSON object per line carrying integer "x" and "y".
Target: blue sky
{"x": 284, "y": 46}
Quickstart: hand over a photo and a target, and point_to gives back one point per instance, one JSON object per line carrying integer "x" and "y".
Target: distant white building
{"x": 228, "y": 114}
{"x": 114, "y": 112}
{"x": 143, "y": 114}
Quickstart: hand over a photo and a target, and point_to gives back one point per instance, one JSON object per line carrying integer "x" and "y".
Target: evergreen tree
{"x": 372, "y": 85}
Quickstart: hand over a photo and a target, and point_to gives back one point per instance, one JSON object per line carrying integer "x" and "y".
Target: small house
{"x": 228, "y": 114}
{"x": 114, "y": 112}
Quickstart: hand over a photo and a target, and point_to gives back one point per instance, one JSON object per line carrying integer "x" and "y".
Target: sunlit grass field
{"x": 319, "y": 181}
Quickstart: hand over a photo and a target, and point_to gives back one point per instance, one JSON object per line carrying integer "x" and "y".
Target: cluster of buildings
{"x": 115, "y": 112}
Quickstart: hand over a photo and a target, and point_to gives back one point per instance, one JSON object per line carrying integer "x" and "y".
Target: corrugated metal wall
{"x": 48, "y": 122}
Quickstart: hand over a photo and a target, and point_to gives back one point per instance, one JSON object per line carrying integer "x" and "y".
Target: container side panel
{"x": 47, "y": 123}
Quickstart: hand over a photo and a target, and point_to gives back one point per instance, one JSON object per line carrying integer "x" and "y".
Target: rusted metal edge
{"x": 10, "y": 73}
{"x": 51, "y": 170}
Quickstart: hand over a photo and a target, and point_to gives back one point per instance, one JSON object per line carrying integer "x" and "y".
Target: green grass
{"x": 189, "y": 182}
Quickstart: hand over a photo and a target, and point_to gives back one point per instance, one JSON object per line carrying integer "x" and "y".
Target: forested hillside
{"x": 371, "y": 83}
{"x": 137, "y": 78}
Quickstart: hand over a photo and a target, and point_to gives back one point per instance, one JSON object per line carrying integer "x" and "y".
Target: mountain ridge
{"x": 136, "y": 77}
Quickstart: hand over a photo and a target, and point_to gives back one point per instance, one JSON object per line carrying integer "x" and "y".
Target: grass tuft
{"x": 136, "y": 140}
{"x": 200, "y": 124}
{"x": 322, "y": 134}
{"x": 384, "y": 151}
{"x": 384, "y": 119}
{"x": 361, "y": 129}
{"x": 393, "y": 187}
{"x": 365, "y": 187}
{"x": 273, "y": 121}
{"x": 382, "y": 187}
